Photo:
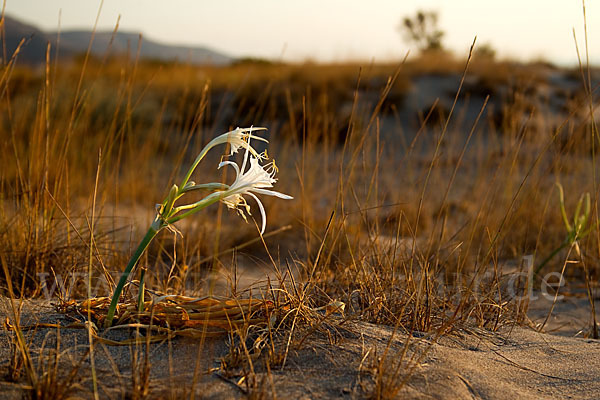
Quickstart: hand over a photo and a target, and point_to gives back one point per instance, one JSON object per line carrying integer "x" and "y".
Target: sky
{"x": 333, "y": 30}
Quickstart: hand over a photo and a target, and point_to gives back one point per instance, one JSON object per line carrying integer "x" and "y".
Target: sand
{"x": 341, "y": 360}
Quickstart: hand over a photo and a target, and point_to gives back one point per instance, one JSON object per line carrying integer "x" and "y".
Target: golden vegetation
{"x": 409, "y": 218}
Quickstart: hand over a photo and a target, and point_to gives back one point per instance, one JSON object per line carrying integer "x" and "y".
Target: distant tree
{"x": 422, "y": 30}
{"x": 485, "y": 51}
{"x": 253, "y": 61}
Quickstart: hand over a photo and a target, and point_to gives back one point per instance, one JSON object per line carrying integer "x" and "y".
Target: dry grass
{"x": 408, "y": 218}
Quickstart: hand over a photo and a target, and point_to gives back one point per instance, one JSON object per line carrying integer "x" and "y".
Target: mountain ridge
{"x": 73, "y": 42}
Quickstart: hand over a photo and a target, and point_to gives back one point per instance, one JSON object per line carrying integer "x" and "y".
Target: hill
{"x": 33, "y": 49}
{"x": 76, "y": 42}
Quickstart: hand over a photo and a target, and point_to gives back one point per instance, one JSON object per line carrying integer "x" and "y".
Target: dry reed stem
{"x": 168, "y": 317}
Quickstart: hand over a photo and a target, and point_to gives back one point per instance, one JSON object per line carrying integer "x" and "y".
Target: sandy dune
{"x": 340, "y": 361}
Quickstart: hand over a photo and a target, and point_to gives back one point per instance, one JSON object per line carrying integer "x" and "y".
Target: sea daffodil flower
{"x": 255, "y": 180}
{"x": 239, "y": 137}
{"x": 251, "y": 182}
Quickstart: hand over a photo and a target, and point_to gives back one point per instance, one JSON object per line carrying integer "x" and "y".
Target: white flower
{"x": 255, "y": 180}
{"x": 240, "y": 137}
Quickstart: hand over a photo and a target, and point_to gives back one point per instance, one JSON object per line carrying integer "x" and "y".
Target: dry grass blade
{"x": 169, "y": 316}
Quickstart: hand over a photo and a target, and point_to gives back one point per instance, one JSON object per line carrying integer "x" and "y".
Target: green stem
{"x": 547, "y": 259}
{"x": 197, "y": 161}
{"x": 152, "y": 231}
{"x": 205, "y": 202}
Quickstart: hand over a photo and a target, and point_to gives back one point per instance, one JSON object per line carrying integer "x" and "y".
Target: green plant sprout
{"x": 577, "y": 230}
{"x": 251, "y": 181}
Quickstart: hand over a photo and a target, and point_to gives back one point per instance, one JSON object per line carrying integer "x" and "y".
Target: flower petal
{"x": 273, "y": 193}
{"x": 262, "y": 213}
{"x": 234, "y": 165}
